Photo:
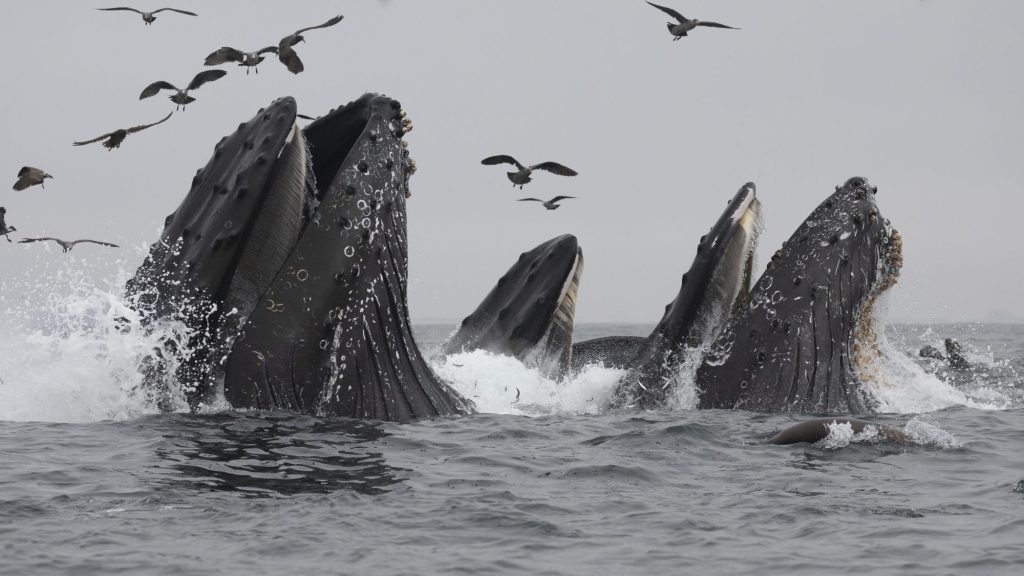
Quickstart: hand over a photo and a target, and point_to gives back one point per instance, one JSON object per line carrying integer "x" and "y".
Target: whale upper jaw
{"x": 807, "y": 333}
{"x": 298, "y": 239}
{"x": 530, "y": 313}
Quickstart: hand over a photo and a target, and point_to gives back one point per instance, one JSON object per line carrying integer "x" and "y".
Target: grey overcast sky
{"x": 923, "y": 97}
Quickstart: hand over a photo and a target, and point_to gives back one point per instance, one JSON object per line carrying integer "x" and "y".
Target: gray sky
{"x": 921, "y": 97}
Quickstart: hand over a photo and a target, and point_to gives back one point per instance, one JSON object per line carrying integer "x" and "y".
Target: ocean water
{"x": 545, "y": 480}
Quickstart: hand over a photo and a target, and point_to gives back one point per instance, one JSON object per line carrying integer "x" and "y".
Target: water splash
{"x": 72, "y": 348}
{"x": 902, "y": 386}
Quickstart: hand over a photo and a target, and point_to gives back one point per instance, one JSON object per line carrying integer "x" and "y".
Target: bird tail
{"x": 670, "y": 25}
{"x": 511, "y": 176}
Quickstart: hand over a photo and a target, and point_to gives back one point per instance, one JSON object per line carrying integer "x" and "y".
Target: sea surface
{"x": 545, "y": 480}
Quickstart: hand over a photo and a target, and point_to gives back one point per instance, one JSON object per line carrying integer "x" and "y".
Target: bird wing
{"x": 118, "y": 8}
{"x": 530, "y": 200}
{"x": 204, "y": 77}
{"x": 21, "y": 184}
{"x": 555, "y": 168}
{"x": 290, "y": 58}
{"x": 175, "y": 10}
{"x": 85, "y": 240}
{"x": 155, "y": 87}
{"x": 714, "y": 25}
{"x": 30, "y": 240}
{"x": 225, "y": 54}
{"x": 501, "y": 159}
{"x": 327, "y": 24}
{"x": 135, "y": 129}
{"x": 25, "y": 170}
{"x": 560, "y": 198}
{"x": 670, "y": 12}
{"x": 97, "y": 139}
{"x": 267, "y": 49}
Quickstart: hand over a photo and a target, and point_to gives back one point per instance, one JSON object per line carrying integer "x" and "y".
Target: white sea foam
{"x": 503, "y": 385}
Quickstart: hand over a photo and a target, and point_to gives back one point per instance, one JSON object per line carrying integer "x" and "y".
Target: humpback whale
{"x": 716, "y": 284}
{"x": 808, "y": 330}
{"x": 288, "y": 258}
{"x": 530, "y": 313}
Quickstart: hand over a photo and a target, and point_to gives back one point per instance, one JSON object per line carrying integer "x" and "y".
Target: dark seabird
{"x": 114, "y": 139}
{"x": 29, "y": 176}
{"x": 67, "y": 245}
{"x": 149, "y": 17}
{"x": 181, "y": 97}
{"x": 285, "y": 51}
{"x": 684, "y": 25}
{"x": 522, "y": 177}
{"x": 4, "y": 228}
{"x": 247, "y": 59}
{"x": 550, "y": 204}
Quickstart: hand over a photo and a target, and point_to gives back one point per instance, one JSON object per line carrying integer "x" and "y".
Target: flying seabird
{"x": 522, "y": 177}
{"x": 66, "y": 245}
{"x": 247, "y": 59}
{"x": 4, "y": 228}
{"x": 114, "y": 139}
{"x": 550, "y": 204}
{"x": 285, "y": 51}
{"x": 149, "y": 17}
{"x": 684, "y": 25}
{"x": 29, "y": 176}
{"x": 181, "y": 97}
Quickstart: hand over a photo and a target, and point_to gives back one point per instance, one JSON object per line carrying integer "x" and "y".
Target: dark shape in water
{"x": 611, "y": 351}
{"x": 811, "y": 431}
